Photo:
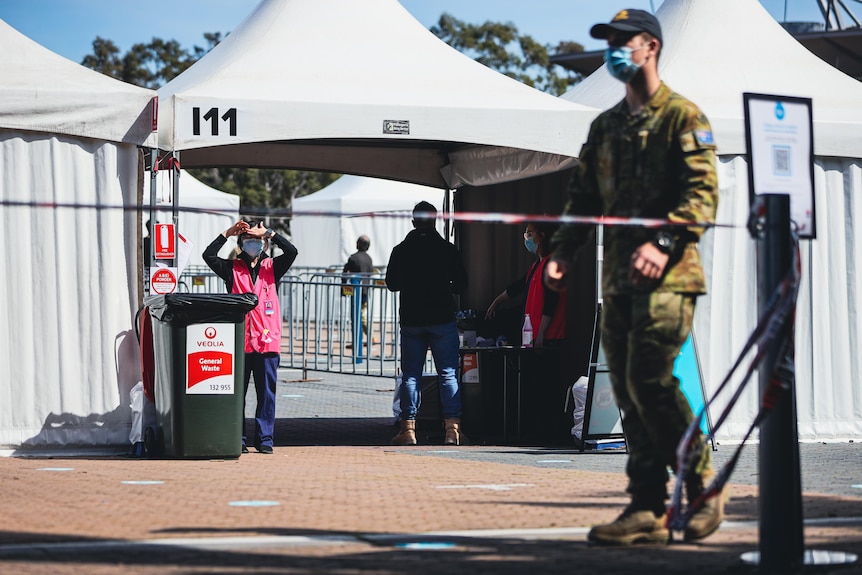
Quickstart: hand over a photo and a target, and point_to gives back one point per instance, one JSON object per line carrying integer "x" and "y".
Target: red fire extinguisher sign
{"x": 164, "y": 242}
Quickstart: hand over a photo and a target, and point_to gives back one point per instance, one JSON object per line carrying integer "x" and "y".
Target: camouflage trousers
{"x": 642, "y": 335}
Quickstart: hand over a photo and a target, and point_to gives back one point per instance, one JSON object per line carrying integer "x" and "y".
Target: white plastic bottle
{"x": 527, "y": 332}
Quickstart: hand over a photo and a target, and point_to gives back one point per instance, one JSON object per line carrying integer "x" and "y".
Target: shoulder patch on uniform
{"x": 704, "y": 137}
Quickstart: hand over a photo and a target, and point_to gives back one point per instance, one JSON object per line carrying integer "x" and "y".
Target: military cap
{"x": 629, "y": 21}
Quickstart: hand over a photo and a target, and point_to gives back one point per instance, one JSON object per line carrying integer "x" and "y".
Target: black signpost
{"x": 780, "y": 143}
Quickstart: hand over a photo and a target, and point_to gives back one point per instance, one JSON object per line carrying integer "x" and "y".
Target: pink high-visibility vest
{"x": 263, "y": 323}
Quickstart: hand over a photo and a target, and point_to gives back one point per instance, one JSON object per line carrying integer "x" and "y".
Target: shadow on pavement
{"x": 381, "y": 554}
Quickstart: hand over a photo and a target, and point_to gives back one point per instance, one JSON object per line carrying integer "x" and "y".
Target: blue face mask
{"x": 620, "y": 64}
{"x": 252, "y": 247}
{"x": 531, "y": 245}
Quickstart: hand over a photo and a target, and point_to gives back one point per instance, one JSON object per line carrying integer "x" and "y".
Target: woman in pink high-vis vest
{"x": 253, "y": 271}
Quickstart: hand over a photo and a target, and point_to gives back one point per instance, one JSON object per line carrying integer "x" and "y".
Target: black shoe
{"x": 266, "y": 449}
{"x": 244, "y": 448}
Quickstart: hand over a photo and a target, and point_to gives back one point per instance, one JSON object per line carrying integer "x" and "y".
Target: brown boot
{"x": 643, "y": 521}
{"x": 708, "y": 518}
{"x": 632, "y": 526}
{"x": 453, "y": 431}
{"x": 407, "y": 435}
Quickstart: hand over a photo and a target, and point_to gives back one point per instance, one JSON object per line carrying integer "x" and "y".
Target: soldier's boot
{"x": 708, "y": 518}
{"x": 407, "y": 435}
{"x": 643, "y": 521}
{"x": 453, "y": 431}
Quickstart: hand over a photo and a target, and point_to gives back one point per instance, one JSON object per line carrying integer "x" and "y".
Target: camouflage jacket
{"x": 658, "y": 164}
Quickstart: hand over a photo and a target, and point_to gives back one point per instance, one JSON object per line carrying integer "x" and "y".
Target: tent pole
{"x": 154, "y": 171}
{"x": 447, "y": 219}
{"x": 175, "y": 166}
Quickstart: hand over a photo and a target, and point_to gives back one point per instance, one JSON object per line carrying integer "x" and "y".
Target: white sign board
{"x": 780, "y": 139}
{"x": 210, "y": 358}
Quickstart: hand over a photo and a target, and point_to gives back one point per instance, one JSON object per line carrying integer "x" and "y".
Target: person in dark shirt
{"x": 427, "y": 270}
{"x": 253, "y": 271}
{"x": 359, "y": 263}
{"x": 546, "y": 307}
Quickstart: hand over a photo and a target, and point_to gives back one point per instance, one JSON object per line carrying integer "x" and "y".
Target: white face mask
{"x": 252, "y": 247}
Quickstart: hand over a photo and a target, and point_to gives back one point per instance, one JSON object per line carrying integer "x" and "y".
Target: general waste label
{"x": 210, "y": 357}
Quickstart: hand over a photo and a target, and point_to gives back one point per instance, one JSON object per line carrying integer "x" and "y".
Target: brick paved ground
{"x": 335, "y": 498}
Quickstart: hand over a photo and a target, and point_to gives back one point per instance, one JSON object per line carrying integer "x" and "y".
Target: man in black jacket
{"x": 427, "y": 270}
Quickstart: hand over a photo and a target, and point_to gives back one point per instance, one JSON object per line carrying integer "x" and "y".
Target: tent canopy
{"x": 327, "y": 223}
{"x": 279, "y": 92}
{"x": 65, "y": 104}
{"x": 700, "y": 62}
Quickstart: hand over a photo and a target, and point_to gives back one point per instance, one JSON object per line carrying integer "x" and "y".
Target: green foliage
{"x": 262, "y": 190}
{"x": 500, "y": 47}
{"x": 148, "y": 65}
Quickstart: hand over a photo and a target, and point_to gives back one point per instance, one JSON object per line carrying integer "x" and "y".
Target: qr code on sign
{"x": 781, "y": 160}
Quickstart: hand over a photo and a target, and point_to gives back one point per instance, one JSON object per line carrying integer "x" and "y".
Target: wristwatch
{"x": 270, "y": 232}
{"x": 664, "y": 242}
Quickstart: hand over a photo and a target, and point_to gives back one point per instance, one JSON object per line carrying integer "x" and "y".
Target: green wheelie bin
{"x": 199, "y": 357}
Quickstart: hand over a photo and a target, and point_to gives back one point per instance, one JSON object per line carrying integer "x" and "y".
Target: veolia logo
{"x": 210, "y": 333}
{"x": 779, "y": 111}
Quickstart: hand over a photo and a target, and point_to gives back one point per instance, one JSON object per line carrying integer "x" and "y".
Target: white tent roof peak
{"x": 715, "y": 51}
{"x": 365, "y": 78}
{"x": 43, "y": 92}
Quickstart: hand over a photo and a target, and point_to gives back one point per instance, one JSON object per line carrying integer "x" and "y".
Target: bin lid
{"x": 182, "y": 309}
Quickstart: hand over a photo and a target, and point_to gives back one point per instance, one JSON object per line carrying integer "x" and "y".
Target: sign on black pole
{"x": 780, "y": 141}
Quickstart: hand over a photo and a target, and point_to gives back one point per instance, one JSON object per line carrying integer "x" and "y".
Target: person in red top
{"x": 253, "y": 271}
{"x": 546, "y": 308}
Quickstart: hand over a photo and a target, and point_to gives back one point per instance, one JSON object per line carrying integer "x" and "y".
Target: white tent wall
{"x": 697, "y": 62}
{"x": 213, "y": 211}
{"x": 828, "y": 325}
{"x": 68, "y": 293}
{"x": 327, "y": 240}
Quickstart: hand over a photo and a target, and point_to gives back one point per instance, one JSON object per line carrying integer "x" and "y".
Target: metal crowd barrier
{"x": 322, "y": 320}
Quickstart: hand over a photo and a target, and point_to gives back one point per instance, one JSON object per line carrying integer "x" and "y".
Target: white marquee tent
{"x": 68, "y": 142}
{"x": 360, "y": 88}
{"x": 327, "y": 222}
{"x": 208, "y": 212}
{"x": 715, "y": 51}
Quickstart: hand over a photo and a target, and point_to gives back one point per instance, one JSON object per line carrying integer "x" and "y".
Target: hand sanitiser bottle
{"x": 527, "y": 332}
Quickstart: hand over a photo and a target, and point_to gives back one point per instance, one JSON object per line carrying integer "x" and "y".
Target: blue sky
{"x": 69, "y": 27}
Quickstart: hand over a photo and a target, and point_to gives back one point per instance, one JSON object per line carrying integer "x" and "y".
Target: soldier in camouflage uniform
{"x": 650, "y": 156}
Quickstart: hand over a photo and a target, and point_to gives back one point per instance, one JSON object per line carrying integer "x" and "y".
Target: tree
{"x": 500, "y": 47}
{"x": 147, "y": 65}
{"x": 265, "y": 190}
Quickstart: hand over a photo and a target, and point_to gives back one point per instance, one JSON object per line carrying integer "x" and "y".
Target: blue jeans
{"x": 264, "y": 366}
{"x": 443, "y": 341}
